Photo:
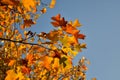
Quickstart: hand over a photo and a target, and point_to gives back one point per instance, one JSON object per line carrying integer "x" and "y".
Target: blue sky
{"x": 101, "y": 24}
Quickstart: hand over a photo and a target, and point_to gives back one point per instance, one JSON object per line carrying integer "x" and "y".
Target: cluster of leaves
{"x": 42, "y": 56}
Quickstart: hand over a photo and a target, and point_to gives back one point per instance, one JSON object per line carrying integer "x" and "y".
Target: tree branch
{"x": 24, "y": 42}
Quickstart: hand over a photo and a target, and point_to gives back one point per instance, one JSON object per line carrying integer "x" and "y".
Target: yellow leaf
{"x": 76, "y": 23}
{"x": 11, "y": 75}
{"x": 28, "y": 4}
{"x": 56, "y": 63}
{"x": 20, "y": 76}
{"x": 52, "y": 3}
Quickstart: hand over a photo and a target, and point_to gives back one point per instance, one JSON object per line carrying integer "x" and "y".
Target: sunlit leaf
{"x": 58, "y": 21}
{"x": 11, "y": 75}
{"x": 12, "y": 62}
{"x": 52, "y": 3}
{"x": 47, "y": 61}
{"x": 28, "y": 4}
{"x": 44, "y": 10}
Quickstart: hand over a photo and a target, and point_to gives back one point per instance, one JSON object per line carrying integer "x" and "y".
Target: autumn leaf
{"x": 44, "y": 10}
{"x": 70, "y": 29}
{"x": 76, "y": 23}
{"x": 1, "y": 34}
{"x": 83, "y": 45}
{"x": 56, "y": 63}
{"x": 58, "y": 21}
{"x": 25, "y": 70}
{"x": 30, "y": 58}
{"x": 9, "y": 2}
{"x": 28, "y": 4}
{"x": 11, "y": 75}
{"x": 79, "y": 36}
{"x": 52, "y": 3}
{"x": 84, "y": 67}
{"x": 28, "y": 22}
{"x": 11, "y": 63}
{"x": 47, "y": 62}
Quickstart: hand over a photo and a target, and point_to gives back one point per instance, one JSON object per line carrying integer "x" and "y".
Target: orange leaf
{"x": 58, "y": 21}
{"x": 11, "y": 63}
{"x": 79, "y": 36}
{"x": 43, "y": 11}
{"x": 28, "y": 23}
{"x": 10, "y": 2}
{"x": 30, "y": 57}
{"x": 84, "y": 67}
{"x": 47, "y": 61}
{"x": 1, "y": 34}
{"x": 70, "y": 29}
{"x": 25, "y": 70}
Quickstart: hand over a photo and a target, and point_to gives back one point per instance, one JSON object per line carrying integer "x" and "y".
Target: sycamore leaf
{"x": 52, "y": 3}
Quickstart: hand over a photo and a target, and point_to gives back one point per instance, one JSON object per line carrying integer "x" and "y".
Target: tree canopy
{"x": 27, "y": 55}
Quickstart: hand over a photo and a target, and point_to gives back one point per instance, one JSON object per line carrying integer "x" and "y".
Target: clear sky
{"x": 101, "y": 24}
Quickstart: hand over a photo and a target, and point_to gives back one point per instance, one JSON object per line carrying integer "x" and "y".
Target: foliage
{"x": 27, "y": 55}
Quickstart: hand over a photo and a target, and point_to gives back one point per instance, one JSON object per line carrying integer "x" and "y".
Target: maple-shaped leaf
{"x": 28, "y": 4}
{"x": 79, "y": 36}
{"x": 52, "y": 3}
{"x": 70, "y": 29}
{"x": 28, "y": 22}
{"x": 76, "y": 23}
{"x": 62, "y": 61}
{"x": 58, "y": 21}
{"x": 11, "y": 75}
